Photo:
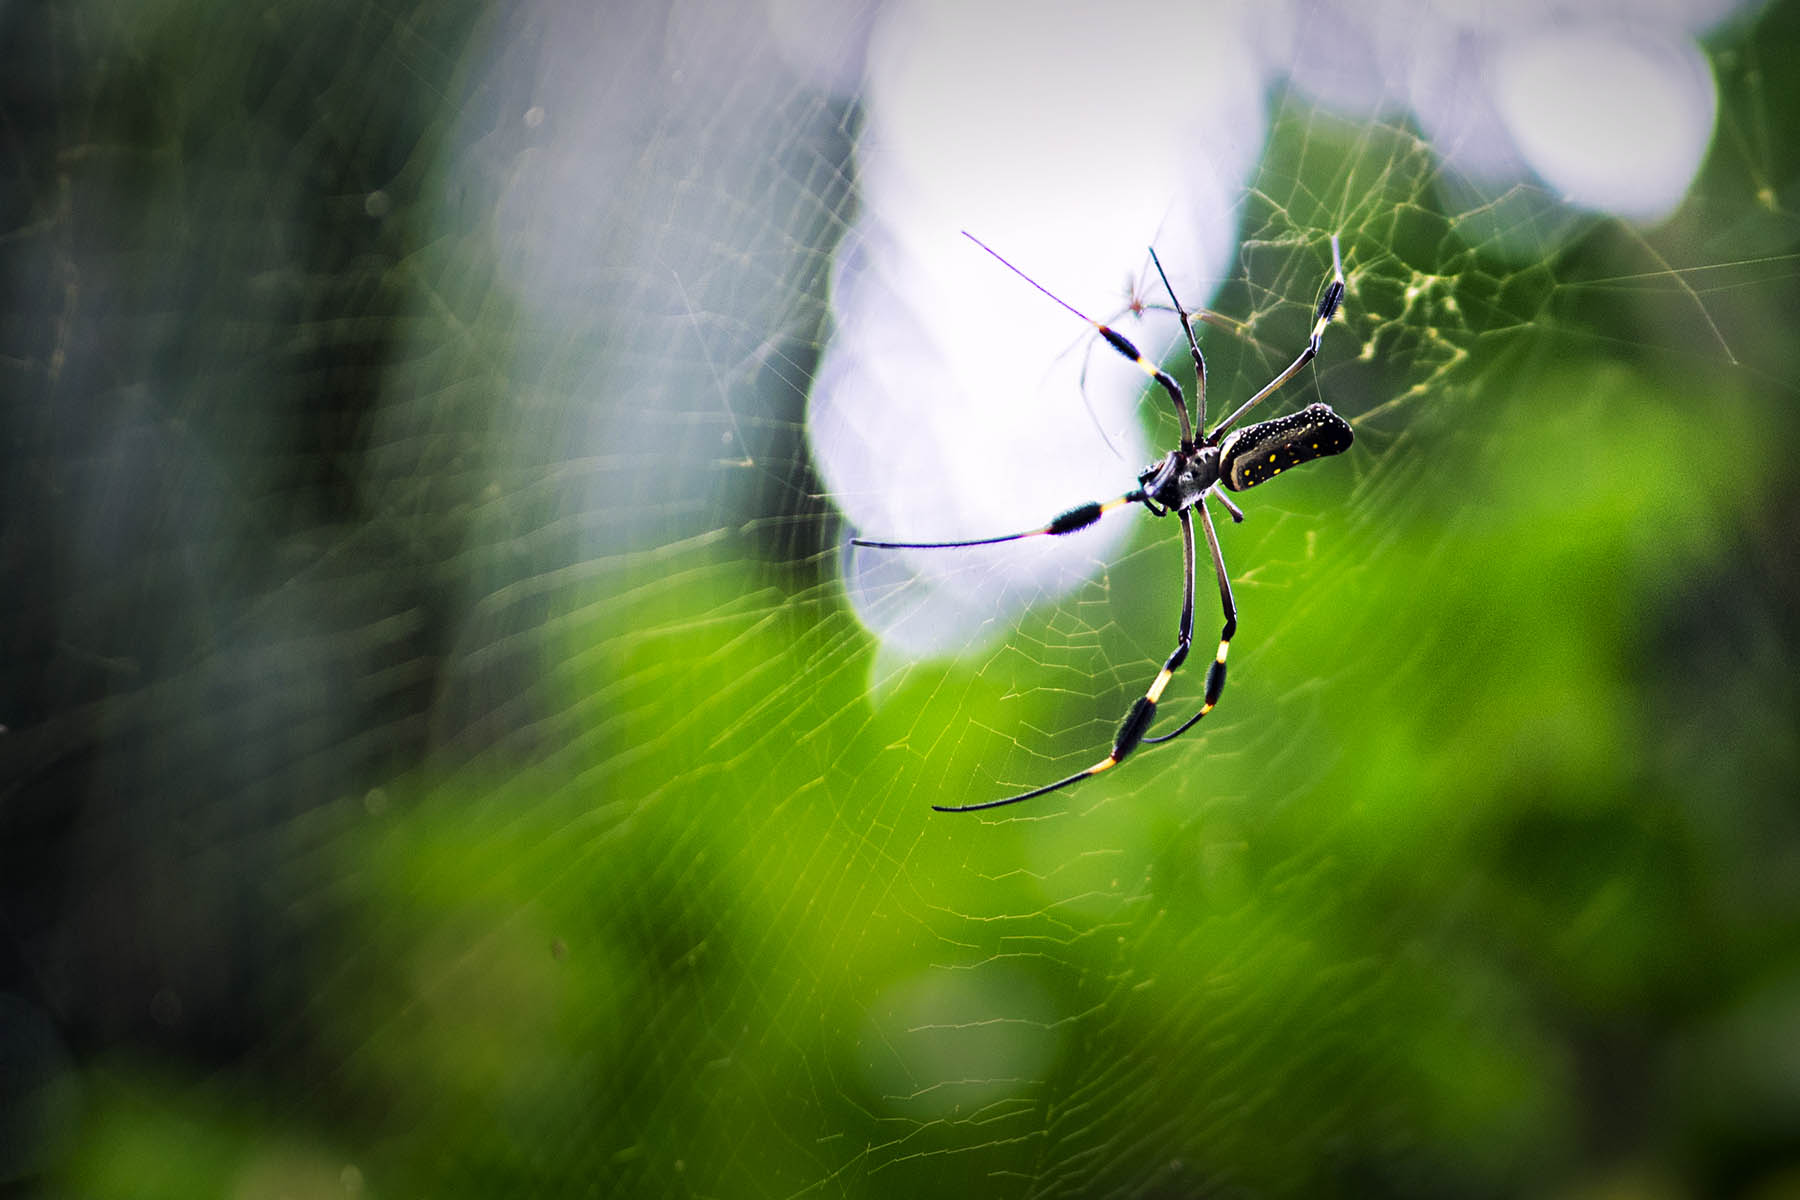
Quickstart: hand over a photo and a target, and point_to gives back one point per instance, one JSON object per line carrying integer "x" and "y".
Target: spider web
{"x": 444, "y": 754}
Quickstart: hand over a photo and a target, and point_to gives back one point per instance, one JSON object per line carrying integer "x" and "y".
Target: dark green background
{"x": 363, "y": 830}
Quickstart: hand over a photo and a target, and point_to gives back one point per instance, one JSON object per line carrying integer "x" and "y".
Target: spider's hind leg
{"x": 1143, "y": 709}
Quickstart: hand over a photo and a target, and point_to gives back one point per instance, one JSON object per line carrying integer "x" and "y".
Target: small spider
{"x": 1180, "y": 484}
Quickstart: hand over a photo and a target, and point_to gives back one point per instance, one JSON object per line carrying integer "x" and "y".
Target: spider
{"x": 1180, "y": 484}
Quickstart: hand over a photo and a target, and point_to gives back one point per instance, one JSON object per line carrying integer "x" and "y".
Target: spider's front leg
{"x": 1067, "y": 521}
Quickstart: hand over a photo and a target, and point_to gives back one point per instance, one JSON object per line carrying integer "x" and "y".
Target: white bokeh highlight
{"x": 1610, "y": 119}
{"x": 949, "y": 404}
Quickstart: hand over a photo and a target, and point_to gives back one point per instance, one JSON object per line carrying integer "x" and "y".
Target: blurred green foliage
{"x": 1462, "y": 915}
{"x": 1481, "y": 881}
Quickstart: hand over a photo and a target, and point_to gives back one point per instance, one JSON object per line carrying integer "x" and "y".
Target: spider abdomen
{"x": 1259, "y": 452}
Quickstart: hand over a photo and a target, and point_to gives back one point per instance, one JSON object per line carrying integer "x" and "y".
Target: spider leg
{"x": 1237, "y": 514}
{"x": 1215, "y": 674}
{"x": 1143, "y": 710}
{"x": 1234, "y": 327}
{"x": 1116, "y": 340}
{"x": 1079, "y": 517}
{"x": 1328, "y": 306}
{"x": 1187, "y": 326}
